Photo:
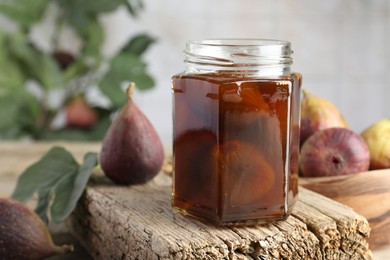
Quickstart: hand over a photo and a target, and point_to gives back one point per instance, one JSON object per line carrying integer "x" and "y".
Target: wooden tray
{"x": 368, "y": 193}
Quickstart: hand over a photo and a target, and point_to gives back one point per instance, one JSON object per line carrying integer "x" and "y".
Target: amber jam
{"x": 236, "y": 136}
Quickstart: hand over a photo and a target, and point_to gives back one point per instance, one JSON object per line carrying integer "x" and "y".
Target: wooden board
{"x": 138, "y": 223}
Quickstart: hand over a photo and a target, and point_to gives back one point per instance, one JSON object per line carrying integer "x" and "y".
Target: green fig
{"x": 23, "y": 235}
{"x": 318, "y": 114}
{"x": 377, "y": 137}
{"x": 132, "y": 152}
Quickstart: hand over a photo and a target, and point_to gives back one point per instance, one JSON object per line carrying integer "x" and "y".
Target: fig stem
{"x": 130, "y": 90}
{"x": 64, "y": 249}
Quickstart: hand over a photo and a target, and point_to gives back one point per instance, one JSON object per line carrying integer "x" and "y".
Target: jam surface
{"x": 235, "y": 147}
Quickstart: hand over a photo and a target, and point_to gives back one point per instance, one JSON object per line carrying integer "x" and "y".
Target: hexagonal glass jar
{"x": 236, "y": 111}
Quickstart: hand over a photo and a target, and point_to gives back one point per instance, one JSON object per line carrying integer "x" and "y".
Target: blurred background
{"x": 340, "y": 47}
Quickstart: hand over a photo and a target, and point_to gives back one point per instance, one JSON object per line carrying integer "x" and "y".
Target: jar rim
{"x": 231, "y": 42}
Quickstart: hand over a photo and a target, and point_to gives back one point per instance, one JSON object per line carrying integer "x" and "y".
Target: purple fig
{"x": 318, "y": 114}
{"x": 23, "y": 235}
{"x": 334, "y": 151}
{"x": 132, "y": 152}
{"x": 64, "y": 59}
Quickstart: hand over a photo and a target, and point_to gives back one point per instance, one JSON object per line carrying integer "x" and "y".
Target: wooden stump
{"x": 138, "y": 223}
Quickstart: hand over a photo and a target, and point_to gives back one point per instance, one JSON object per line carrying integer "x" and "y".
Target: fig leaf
{"x": 24, "y": 12}
{"x": 139, "y": 44}
{"x": 77, "y": 15}
{"x": 124, "y": 67}
{"x": 69, "y": 190}
{"x": 59, "y": 181}
{"x": 93, "y": 36}
{"x": 134, "y": 6}
{"x": 37, "y": 65}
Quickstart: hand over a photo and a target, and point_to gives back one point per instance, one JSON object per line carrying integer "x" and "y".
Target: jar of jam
{"x": 236, "y": 131}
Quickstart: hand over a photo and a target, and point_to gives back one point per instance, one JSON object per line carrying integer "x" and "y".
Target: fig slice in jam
{"x": 246, "y": 175}
{"x": 196, "y": 180}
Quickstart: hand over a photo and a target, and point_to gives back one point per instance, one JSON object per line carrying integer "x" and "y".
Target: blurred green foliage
{"x": 23, "y": 113}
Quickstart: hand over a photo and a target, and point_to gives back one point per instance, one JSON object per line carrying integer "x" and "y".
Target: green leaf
{"x": 11, "y": 133}
{"x": 59, "y": 181}
{"x": 134, "y": 6}
{"x": 103, "y": 6}
{"x": 93, "y": 36}
{"x": 126, "y": 63}
{"x": 50, "y": 75}
{"x": 22, "y": 50}
{"x": 37, "y": 65}
{"x": 3, "y": 44}
{"x": 143, "y": 81}
{"x": 125, "y": 67}
{"x": 19, "y": 113}
{"x": 68, "y": 192}
{"x": 30, "y": 112}
{"x": 77, "y": 14}
{"x": 77, "y": 68}
{"x": 9, "y": 110}
{"x": 45, "y": 173}
{"x": 24, "y": 12}
{"x": 100, "y": 129}
{"x": 138, "y": 44}
{"x": 11, "y": 75}
{"x": 111, "y": 89}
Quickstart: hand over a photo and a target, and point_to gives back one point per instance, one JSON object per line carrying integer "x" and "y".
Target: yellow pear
{"x": 377, "y": 137}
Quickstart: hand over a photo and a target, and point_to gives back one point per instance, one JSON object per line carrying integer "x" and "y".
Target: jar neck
{"x": 251, "y": 57}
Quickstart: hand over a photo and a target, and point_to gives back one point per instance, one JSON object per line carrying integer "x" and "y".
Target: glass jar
{"x": 236, "y": 131}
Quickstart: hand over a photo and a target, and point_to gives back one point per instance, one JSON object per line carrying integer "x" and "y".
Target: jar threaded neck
{"x": 253, "y": 56}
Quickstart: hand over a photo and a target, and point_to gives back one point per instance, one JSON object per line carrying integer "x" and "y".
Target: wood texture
{"x": 368, "y": 193}
{"x": 138, "y": 223}
{"x": 16, "y": 156}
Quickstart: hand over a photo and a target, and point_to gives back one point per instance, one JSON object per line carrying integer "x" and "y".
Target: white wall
{"x": 342, "y": 47}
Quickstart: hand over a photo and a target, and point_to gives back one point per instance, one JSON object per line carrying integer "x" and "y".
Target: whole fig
{"x": 64, "y": 59}
{"x": 248, "y": 175}
{"x": 318, "y": 114}
{"x": 196, "y": 166}
{"x": 334, "y": 151}
{"x": 79, "y": 114}
{"x": 132, "y": 151}
{"x": 23, "y": 235}
{"x": 377, "y": 137}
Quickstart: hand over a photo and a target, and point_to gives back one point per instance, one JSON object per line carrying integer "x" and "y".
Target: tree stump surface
{"x": 137, "y": 222}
